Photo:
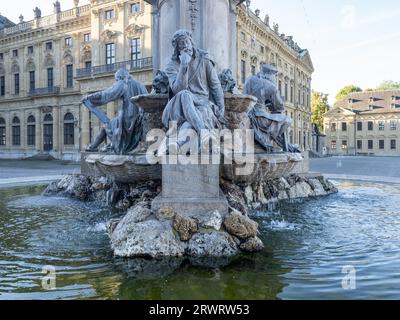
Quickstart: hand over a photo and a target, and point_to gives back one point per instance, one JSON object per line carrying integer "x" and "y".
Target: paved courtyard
{"x": 19, "y": 172}
{"x": 383, "y": 169}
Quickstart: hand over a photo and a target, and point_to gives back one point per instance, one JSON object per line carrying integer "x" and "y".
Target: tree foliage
{"x": 347, "y": 90}
{"x": 319, "y": 106}
{"x": 388, "y": 85}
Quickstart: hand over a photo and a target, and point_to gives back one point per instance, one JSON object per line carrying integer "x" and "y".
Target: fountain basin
{"x": 120, "y": 168}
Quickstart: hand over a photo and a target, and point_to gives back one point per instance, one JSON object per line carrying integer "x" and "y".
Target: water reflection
{"x": 307, "y": 245}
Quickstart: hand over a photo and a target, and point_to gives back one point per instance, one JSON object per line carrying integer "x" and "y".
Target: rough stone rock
{"x": 249, "y": 195}
{"x": 111, "y": 225}
{"x": 210, "y": 220}
{"x": 252, "y": 245}
{"x": 185, "y": 227}
{"x": 318, "y": 188}
{"x": 123, "y": 204}
{"x": 150, "y": 238}
{"x": 102, "y": 184}
{"x": 283, "y": 195}
{"x": 165, "y": 214}
{"x": 260, "y": 194}
{"x": 138, "y": 213}
{"x": 75, "y": 186}
{"x": 300, "y": 190}
{"x": 234, "y": 195}
{"x": 214, "y": 244}
{"x": 240, "y": 226}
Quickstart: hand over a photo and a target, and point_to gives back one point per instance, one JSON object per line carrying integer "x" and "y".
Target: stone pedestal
{"x": 191, "y": 189}
{"x": 213, "y": 24}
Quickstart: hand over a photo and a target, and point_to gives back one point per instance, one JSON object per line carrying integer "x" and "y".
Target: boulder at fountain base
{"x": 142, "y": 233}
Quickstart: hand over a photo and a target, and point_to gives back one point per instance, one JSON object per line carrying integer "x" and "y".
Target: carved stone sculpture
{"x": 160, "y": 83}
{"x": 270, "y": 126}
{"x": 37, "y": 12}
{"x": 198, "y": 100}
{"x": 126, "y": 129}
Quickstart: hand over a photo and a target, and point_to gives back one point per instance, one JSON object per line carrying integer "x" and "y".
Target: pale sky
{"x": 350, "y": 41}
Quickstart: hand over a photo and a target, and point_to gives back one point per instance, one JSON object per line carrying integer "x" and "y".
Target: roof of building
{"x": 5, "y": 22}
{"x": 370, "y": 102}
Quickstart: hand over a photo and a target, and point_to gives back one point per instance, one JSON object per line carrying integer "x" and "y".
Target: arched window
{"x": 48, "y": 118}
{"x": 69, "y": 127}
{"x": 2, "y": 132}
{"x": 31, "y": 131}
{"x": 16, "y": 131}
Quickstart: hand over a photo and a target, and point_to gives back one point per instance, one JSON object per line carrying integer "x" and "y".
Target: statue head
{"x": 228, "y": 83}
{"x": 182, "y": 41}
{"x": 161, "y": 82}
{"x": 122, "y": 74}
{"x": 268, "y": 72}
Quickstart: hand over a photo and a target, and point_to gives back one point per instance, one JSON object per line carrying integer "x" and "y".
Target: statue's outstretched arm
{"x": 110, "y": 94}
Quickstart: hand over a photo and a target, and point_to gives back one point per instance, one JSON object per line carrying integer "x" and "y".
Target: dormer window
{"x": 350, "y": 101}
{"x": 371, "y": 99}
{"x": 371, "y": 107}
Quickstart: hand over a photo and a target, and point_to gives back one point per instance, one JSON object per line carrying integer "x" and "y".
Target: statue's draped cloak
{"x": 125, "y": 130}
{"x": 203, "y": 91}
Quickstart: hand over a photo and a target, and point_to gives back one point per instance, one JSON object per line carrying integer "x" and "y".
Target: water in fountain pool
{"x": 307, "y": 245}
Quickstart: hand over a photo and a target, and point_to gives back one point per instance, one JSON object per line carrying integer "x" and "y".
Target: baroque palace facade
{"x": 365, "y": 123}
{"x": 48, "y": 64}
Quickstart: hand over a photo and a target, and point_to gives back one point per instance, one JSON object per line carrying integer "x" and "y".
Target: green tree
{"x": 319, "y": 106}
{"x": 346, "y": 90}
{"x": 388, "y": 85}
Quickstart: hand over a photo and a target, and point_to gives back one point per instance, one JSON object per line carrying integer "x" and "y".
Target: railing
{"x": 131, "y": 65}
{"x": 44, "y": 91}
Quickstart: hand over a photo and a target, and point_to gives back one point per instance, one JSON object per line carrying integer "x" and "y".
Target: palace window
{"x": 291, "y": 94}
{"x": 280, "y": 87}
{"x": 393, "y": 125}
{"x": 30, "y": 50}
{"x": 286, "y": 91}
{"x": 109, "y": 14}
{"x": 262, "y": 49}
{"x": 50, "y": 78}
{"x": 1, "y": 56}
{"x": 2, "y": 86}
{"x": 359, "y": 144}
{"x": 16, "y": 132}
{"x": 135, "y": 7}
{"x": 49, "y": 45}
{"x": 69, "y": 129}
{"x": 15, "y": 53}
{"x": 381, "y": 144}
{"x": 243, "y": 36}
{"x": 136, "y": 49}
{"x": 370, "y": 144}
{"x": 333, "y": 145}
{"x": 16, "y": 84}
{"x": 70, "y": 76}
{"x": 68, "y": 42}
{"x": 110, "y": 53}
{"x": 253, "y": 70}
{"x": 359, "y": 126}
{"x": 2, "y": 132}
{"x": 87, "y": 37}
{"x": 344, "y": 144}
{"x": 370, "y": 126}
{"x": 344, "y": 126}
{"x": 88, "y": 64}
{"x": 381, "y": 126}
{"x": 393, "y": 144}
{"x": 31, "y": 131}
{"x": 31, "y": 81}
{"x": 243, "y": 71}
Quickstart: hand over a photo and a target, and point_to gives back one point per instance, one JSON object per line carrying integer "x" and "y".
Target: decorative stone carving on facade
{"x": 193, "y": 13}
{"x": 244, "y": 53}
{"x": 46, "y": 109}
{"x": 134, "y": 30}
{"x": 254, "y": 59}
{"x": 68, "y": 57}
{"x": 48, "y": 61}
{"x": 14, "y": 67}
{"x": 108, "y": 35}
{"x": 30, "y": 65}
{"x": 86, "y": 53}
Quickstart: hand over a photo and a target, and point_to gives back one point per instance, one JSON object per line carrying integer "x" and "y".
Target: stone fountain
{"x": 200, "y": 209}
